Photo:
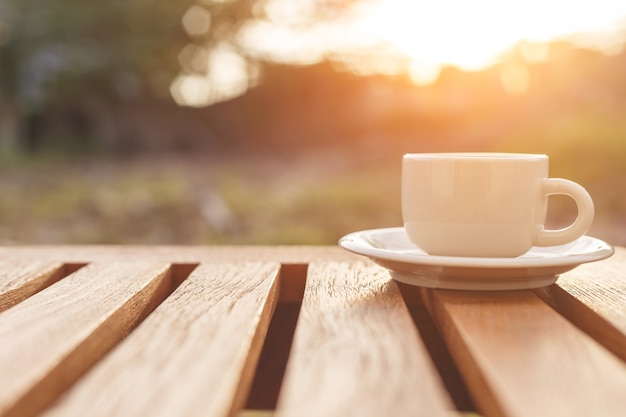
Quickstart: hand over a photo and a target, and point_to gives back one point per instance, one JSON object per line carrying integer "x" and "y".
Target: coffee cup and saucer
{"x": 475, "y": 221}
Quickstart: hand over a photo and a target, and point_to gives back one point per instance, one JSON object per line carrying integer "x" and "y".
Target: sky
{"x": 392, "y": 36}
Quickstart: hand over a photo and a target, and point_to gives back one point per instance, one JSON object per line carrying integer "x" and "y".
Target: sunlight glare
{"x": 292, "y": 12}
{"x": 228, "y": 75}
{"x": 515, "y": 79}
{"x": 419, "y": 38}
{"x": 535, "y": 52}
{"x": 268, "y": 40}
{"x": 473, "y": 35}
{"x": 423, "y": 73}
{"x": 410, "y": 37}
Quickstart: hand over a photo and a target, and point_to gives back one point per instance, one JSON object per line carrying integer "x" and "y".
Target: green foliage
{"x": 56, "y": 50}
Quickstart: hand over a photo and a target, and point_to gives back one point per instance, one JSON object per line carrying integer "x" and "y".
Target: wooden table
{"x": 297, "y": 331}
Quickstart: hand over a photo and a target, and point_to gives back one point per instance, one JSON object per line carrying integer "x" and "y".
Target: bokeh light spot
{"x": 197, "y": 21}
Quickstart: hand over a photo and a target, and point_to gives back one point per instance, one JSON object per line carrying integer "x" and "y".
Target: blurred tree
{"x": 233, "y": 40}
{"x": 87, "y": 53}
{"x": 63, "y": 55}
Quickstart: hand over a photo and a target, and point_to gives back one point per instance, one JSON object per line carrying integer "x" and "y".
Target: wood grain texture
{"x": 19, "y": 279}
{"x": 594, "y": 297}
{"x": 51, "y": 338}
{"x": 519, "y": 357}
{"x": 195, "y": 355}
{"x": 356, "y": 351}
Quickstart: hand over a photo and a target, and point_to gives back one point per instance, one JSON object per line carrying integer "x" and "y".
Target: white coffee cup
{"x": 485, "y": 204}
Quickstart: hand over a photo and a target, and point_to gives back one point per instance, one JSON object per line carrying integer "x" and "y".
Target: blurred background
{"x": 284, "y": 121}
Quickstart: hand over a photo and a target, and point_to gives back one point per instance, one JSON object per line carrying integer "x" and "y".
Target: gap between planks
{"x": 194, "y": 355}
{"x": 519, "y": 357}
{"x": 57, "y": 334}
{"x": 356, "y": 350}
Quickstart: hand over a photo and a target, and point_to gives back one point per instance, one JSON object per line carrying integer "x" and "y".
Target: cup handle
{"x": 583, "y": 220}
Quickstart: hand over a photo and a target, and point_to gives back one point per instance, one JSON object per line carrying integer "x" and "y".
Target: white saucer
{"x": 540, "y": 266}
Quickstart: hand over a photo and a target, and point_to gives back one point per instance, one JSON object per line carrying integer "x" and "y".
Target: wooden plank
{"x": 593, "y": 296}
{"x": 19, "y": 279}
{"x": 194, "y": 356}
{"x": 50, "y": 339}
{"x": 519, "y": 357}
{"x": 356, "y": 350}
